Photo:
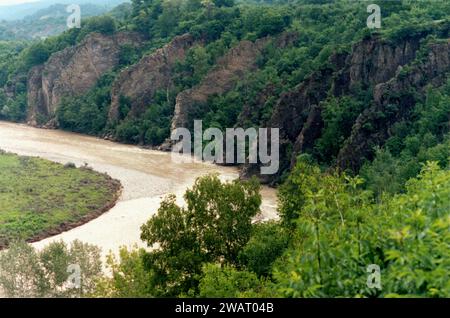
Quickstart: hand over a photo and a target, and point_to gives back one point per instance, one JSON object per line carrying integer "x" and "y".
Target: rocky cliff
{"x": 374, "y": 65}
{"x": 393, "y": 102}
{"x": 141, "y": 81}
{"x": 222, "y": 78}
{"x": 72, "y": 71}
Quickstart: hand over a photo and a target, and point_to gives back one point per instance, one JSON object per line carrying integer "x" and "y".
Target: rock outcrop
{"x": 393, "y": 102}
{"x": 222, "y": 78}
{"x": 72, "y": 71}
{"x": 373, "y": 65}
{"x": 153, "y": 72}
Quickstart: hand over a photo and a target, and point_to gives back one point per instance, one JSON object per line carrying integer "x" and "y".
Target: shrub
{"x": 26, "y": 272}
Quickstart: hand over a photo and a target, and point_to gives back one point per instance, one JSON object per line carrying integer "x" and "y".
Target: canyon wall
{"x": 72, "y": 71}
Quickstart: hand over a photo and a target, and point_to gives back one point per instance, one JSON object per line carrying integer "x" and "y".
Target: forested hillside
{"x": 316, "y": 71}
{"x": 46, "y": 22}
{"x": 364, "y": 119}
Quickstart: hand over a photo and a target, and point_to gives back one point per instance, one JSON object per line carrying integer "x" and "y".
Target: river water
{"x": 146, "y": 175}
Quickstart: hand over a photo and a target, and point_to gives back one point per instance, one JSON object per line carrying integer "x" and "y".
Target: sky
{"x": 10, "y": 2}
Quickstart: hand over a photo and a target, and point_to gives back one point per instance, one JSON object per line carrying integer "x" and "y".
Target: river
{"x": 146, "y": 176}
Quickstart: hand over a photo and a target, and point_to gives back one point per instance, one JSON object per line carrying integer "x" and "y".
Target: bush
{"x": 227, "y": 282}
{"x": 340, "y": 233}
{"x": 26, "y": 272}
{"x": 129, "y": 278}
{"x": 267, "y": 243}
{"x": 70, "y": 165}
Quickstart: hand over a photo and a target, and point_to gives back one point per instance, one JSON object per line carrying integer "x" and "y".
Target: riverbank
{"x": 146, "y": 176}
{"x": 40, "y": 198}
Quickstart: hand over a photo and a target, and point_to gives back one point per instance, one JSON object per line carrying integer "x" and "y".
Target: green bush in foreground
{"x": 339, "y": 233}
{"x": 129, "y": 278}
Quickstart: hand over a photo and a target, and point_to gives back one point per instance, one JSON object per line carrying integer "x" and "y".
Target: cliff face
{"x": 141, "y": 81}
{"x": 374, "y": 61}
{"x": 372, "y": 65}
{"x": 228, "y": 70}
{"x": 393, "y": 101}
{"x": 72, "y": 71}
{"x": 388, "y": 72}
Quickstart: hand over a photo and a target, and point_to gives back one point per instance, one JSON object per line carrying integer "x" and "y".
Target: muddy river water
{"x": 146, "y": 175}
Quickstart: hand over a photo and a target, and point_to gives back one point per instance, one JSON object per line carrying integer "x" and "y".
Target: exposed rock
{"x": 293, "y": 110}
{"x": 374, "y": 61}
{"x": 153, "y": 72}
{"x": 311, "y": 130}
{"x": 222, "y": 78}
{"x": 298, "y": 113}
{"x": 393, "y": 102}
{"x": 72, "y": 71}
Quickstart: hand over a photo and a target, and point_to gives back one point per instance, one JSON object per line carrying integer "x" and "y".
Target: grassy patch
{"x": 39, "y": 198}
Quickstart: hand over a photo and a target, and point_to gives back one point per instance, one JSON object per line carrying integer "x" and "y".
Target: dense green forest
{"x": 393, "y": 211}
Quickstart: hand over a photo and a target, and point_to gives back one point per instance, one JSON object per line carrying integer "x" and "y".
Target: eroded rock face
{"x": 393, "y": 102}
{"x": 140, "y": 82}
{"x": 372, "y": 65}
{"x": 229, "y": 69}
{"x": 72, "y": 71}
{"x": 374, "y": 61}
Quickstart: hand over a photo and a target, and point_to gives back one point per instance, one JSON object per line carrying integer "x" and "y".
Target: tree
{"x": 267, "y": 243}
{"x": 292, "y": 194}
{"x": 103, "y": 24}
{"x": 342, "y": 231}
{"x": 25, "y": 272}
{"x": 228, "y": 282}
{"x": 214, "y": 227}
{"x": 36, "y": 54}
{"x": 129, "y": 278}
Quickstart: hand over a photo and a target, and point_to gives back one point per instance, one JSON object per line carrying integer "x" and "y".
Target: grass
{"x": 39, "y": 198}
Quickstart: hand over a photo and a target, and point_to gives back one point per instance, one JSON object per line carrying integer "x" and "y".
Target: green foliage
{"x": 152, "y": 127}
{"x": 193, "y": 68}
{"x": 339, "y": 115}
{"x": 104, "y": 24}
{"x": 129, "y": 278}
{"x": 267, "y": 243}
{"x": 88, "y": 113}
{"x": 31, "y": 208}
{"x": 383, "y": 172}
{"x": 26, "y": 272}
{"x": 129, "y": 55}
{"x": 227, "y": 282}
{"x": 14, "y": 109}
{"x": 340, "y": 232}
{"x": 293, "y": 193}
{"x": 412, "y": 143}
{"x": 214, "y": 227}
